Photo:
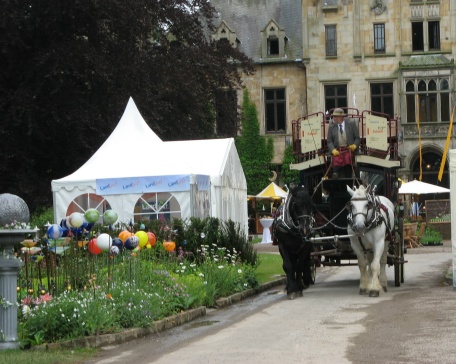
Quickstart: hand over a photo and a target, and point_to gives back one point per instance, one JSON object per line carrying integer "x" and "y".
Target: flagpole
{"x": 447, "y": 146}
{"x": 419, "y": 136}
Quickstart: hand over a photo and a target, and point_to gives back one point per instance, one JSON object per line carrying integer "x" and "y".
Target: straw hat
{"x": 338, "y": 112}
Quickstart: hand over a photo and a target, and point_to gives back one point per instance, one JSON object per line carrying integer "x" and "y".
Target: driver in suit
{"x": 343, "y": 140}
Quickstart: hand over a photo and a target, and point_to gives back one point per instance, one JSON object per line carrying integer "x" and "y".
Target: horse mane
{"x": 300, "y": 192}
{"x": 296, "y": 193}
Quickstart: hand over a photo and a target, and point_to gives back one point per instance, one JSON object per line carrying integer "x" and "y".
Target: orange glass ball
{"x": 169, "y": 246}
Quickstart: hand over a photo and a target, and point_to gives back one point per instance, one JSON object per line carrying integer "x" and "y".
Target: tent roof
{"x": 272, "y": 191}
{"x": 417, "y": 187}
{"x": 134, "y": 150}
{"x": 206, "y": 156}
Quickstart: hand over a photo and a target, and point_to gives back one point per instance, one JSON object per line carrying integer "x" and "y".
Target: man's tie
{"x": 340, "y": 128}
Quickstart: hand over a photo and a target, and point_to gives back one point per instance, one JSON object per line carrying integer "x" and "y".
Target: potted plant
{"x": 431, "y": 237}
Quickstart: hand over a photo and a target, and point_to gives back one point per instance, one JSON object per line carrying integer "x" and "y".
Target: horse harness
{"x": 376, "y": 217}
{"x": 285, "y": 223}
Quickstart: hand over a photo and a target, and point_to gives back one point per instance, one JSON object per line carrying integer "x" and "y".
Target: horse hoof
{"x": 374, "y": 293}
{"x": 363, "y": 291}
{"x": 291, "y": 296}
{"x": 385, "y": 289}
{"x": 299, "y": 294}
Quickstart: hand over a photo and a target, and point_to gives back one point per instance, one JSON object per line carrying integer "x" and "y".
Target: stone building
{"x": 395, "y": 57}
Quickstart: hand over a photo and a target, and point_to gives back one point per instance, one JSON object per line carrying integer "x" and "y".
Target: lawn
{"x": 46, "y": 357}
{"x": 270, "y": 268}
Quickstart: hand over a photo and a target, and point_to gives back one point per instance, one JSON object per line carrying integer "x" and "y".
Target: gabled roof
{"x": 248, "y": 18}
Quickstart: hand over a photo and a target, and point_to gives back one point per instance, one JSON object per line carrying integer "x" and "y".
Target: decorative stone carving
{"x": 378, "y": 6}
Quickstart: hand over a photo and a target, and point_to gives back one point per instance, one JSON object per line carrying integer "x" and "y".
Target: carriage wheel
{"x": 313, "y": 272}
{"x": 398, "y": 262}
{"x": 397, "y": 273}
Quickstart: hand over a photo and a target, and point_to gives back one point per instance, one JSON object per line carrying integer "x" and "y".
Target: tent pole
{"x": 192, "y": 194}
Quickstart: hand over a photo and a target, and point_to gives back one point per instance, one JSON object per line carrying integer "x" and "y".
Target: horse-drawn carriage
{"x": 352, "y": 219}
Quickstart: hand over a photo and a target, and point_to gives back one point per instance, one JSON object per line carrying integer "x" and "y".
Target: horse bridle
{"x": 372, "y": 204}
{"x": 376, "y": 218}
{"x": 310, "y": 221}
{"x": 288, "y": 220}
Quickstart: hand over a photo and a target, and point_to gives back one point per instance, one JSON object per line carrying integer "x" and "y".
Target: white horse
{"x": 370, "y": 222}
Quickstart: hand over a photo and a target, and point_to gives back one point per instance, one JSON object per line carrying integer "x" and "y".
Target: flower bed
{"x": 88, "y": 288}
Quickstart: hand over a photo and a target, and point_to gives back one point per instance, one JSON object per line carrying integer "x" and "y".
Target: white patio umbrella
{"x": 417, "y": 187}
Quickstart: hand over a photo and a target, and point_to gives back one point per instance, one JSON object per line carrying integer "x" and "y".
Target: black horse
{"x": 291, "y": 231}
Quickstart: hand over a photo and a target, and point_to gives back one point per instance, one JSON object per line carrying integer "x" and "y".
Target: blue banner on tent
{"x": 175, "y": 183}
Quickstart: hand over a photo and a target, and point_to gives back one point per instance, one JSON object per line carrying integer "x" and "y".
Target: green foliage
{"x": 191, "y": 233}
{"x": 431, "y": 236}
{"x": 288, "y": 175}
{"x": 41, "y": 216}
{"x": 255, "y": 151}
{"x": 138, "y": 289}
{"x": 69, "y": 69}
{"x": 97, "y": 294}
{"x": 221, "y": 271}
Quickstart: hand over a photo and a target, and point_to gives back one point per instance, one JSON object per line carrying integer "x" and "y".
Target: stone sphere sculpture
{"x": 13, "y": 208}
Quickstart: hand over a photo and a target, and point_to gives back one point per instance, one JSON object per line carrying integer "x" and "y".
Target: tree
{"x": 255, "y": 151}
{"x": 68, "y": 69}
{"x": 289, "y": 175}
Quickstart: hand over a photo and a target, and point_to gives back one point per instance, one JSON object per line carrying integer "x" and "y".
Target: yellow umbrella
{"x": 272, "y": 191}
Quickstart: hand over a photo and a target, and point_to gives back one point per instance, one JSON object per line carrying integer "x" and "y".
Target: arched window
{"x": 88, "y": 201}
{"x": 157, "y": 206}
{"x": 433, "y": 100}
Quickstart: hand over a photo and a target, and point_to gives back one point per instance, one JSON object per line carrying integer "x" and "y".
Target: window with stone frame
{"x": 275, "y": 110}
{"x": 335, "y": 96}
{"x": 430, "y": 97}
{"x": 382, "y": 99}
{"x": 379, "y": 38}
{"x": 331, "y": 40}
{"x": 274, "y": 41}
{"x": 434, "y": 35}
{"x": 419, "y": 32}
{"x": 273, "y": 46}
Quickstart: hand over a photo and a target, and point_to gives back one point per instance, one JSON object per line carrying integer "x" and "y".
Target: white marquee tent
{"x": 204, "y": 177}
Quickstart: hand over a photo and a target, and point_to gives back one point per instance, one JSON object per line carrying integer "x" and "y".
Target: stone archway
{"x": 430, "y": 166}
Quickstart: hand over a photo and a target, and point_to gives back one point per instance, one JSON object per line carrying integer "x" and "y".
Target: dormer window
{"x": 224, "y": 32}
{"x": 273, "y": 47}
{"x": 274, "y": 40}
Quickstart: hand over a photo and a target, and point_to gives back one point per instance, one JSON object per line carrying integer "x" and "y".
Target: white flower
{"x": 26, "y": 310}
{"x": 201, "y": 274}
{"x": 220, "y": 267}
{"x": 239, "y": 271}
